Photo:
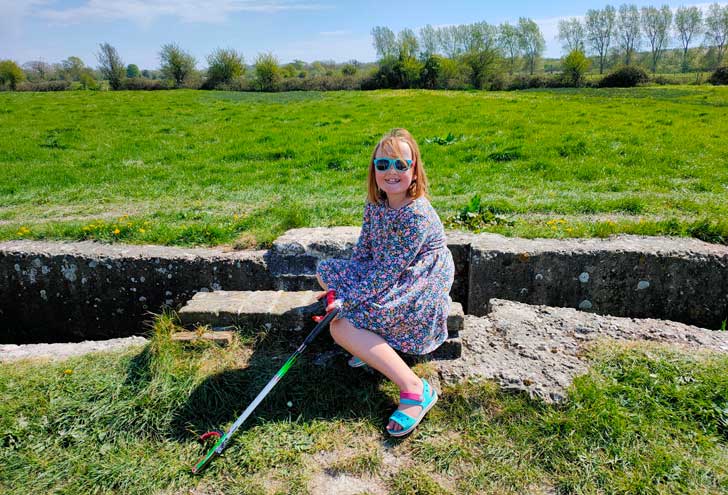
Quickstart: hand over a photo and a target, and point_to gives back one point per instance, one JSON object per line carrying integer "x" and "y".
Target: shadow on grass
{"x": 334, "y": 391}
{"x": 318, "y": 386}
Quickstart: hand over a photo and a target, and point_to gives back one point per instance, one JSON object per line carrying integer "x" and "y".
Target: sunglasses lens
{"x": 381, "y": 165}
{"x": 401, "y": 166}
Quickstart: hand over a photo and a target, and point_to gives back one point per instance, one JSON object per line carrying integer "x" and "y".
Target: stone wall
{"x": 677, "y": 279}
{"x": 72, "y": 291}
{"x": 59, "y": 292}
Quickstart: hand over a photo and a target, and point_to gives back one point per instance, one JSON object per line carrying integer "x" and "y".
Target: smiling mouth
{"x": 391, "y": 181}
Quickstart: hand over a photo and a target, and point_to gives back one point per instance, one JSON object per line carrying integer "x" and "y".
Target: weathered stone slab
{"x": 66, "y": 291}
{"x": 294, "y": 256}
{"x": 279, "y": 310}
{"x": 60, "y": 351}
{"x": 540, "y": 349}
{"x": 639, "y": 276}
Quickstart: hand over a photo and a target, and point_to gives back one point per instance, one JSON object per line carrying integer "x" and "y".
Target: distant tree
{"x": 348, "y": 69}
{"x": 10, "y": 74}
{"x": 688, "y": 23}
{"x": 176, "y": 64}
{"x": 482, "y": 65}
{"x": 509, "y": 41}
{"x": 428, "y": 41}
{"x": 432, "y": 72}
{"x": 574, "y": 67}
{"x": 132, "y": 70}
{"x": 224, "y": 66}
{"x": 656, "y": 25}
{"x": 407, "y": 44}
{"x": 87, "y": 80}
{"x": 532, "y": 42}
{"x": 384, "y": 41}
{"x": 600, "y": 31}
{"x": 72, "y": 68}
{"x": 481, "y": 53}
{"x": 629, "y": 31}
{"x": 37, "y": 70}
{"x": 450, "y": 41}
{"x": 111, "y": 65}
{"x": 571, "y": 34}
{"x": 480, "y": 36}
{"x": 716, "y": 30}
{"x": 267, "y": 72}
{"x": 317, "y": 68}
{"x": 288, "y": 71}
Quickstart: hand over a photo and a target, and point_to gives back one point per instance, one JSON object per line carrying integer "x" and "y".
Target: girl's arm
{"x": 362, "y": 250}
{"x": 399, "y": 251}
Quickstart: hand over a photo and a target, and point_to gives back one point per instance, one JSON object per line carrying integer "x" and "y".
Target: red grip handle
{"x": 330, "y": 298}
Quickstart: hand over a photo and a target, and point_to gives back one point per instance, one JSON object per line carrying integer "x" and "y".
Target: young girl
{"x": 393, "y": 292}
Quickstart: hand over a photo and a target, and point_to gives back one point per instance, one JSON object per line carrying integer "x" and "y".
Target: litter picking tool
{"x": 224, "y": 438}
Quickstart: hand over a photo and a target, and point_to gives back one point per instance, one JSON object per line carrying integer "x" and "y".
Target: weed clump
{"x": 475, "y": 216}
{"x": 444, "y": 141}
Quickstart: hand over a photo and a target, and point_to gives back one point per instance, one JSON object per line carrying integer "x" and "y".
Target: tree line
{"x": 620, "y": 33}
{"x": 478, "y": 55}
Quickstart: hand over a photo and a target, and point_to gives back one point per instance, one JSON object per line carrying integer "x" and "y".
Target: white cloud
{"x": 146, "y": 11}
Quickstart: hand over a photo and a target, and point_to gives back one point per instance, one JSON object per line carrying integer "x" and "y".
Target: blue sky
{"x": 292, "y": 29}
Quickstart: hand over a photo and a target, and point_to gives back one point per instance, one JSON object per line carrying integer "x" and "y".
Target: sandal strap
{"x": 413, "y": 399}
{"x": 402, "y": 419}
{"x": 410, "y": 395}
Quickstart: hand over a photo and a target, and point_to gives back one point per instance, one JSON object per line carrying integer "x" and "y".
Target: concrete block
{"x": 73, "y": 291}
{"x": 678, "y": 279}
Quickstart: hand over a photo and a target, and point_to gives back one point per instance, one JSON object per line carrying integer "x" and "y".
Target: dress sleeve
{"x": 399, "y": 250}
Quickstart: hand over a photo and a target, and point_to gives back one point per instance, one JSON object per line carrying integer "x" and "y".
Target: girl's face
{"x": 391, "y": 181}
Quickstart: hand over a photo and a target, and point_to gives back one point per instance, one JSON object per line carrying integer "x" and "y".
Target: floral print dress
{"x": 397, "y": 282}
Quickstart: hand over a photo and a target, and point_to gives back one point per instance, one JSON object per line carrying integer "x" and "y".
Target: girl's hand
{"x": 321, "y": 294}
{"x": 336, "y": 304}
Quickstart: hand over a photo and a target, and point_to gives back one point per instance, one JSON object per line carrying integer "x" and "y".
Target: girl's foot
{"x": 409, "y": 410}
{"x": 355, "y": 362}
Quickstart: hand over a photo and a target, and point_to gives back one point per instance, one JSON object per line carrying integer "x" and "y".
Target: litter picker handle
{"x": 223, "y": 439}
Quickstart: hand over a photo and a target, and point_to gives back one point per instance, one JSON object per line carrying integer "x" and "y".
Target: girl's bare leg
{"x": 374, "y": 350}
{"x": 321, "y": 283}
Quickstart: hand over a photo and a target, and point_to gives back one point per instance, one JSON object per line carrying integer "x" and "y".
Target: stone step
{"x": 281, "y": 310}
{"x": 286, "y": 311}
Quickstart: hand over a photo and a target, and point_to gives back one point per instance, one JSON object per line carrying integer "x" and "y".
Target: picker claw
{"x": 210, "y": 434}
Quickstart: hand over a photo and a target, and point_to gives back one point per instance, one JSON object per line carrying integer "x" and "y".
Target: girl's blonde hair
{"x": 419, "y": 186}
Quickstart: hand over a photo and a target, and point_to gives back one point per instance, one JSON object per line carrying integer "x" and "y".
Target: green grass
{"x": 208, "y": 168}
{"x": 643, "y": 420}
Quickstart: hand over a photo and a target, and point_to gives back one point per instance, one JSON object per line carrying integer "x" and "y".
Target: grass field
{"x": 210, "y": 168}
{"x": 644, "y": 420}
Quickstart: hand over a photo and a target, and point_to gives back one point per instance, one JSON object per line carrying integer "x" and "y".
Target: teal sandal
{"x": 355, "y": 362}
{"x": 407, "y": 422}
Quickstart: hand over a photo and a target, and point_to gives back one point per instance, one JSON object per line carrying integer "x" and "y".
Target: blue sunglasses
{"x": 383, "y": 164}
